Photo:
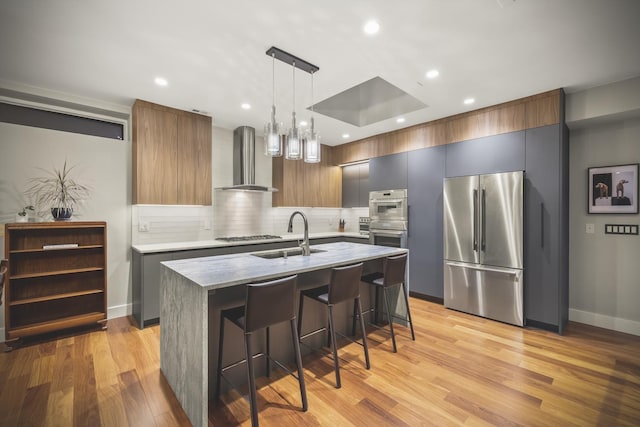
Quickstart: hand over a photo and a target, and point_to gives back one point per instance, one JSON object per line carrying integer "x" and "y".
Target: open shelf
{"x": 28, "y": 251}
{"x": 56, "y": 296}
{"x": 54, "y": 325}
{"x": 56, "y": 273}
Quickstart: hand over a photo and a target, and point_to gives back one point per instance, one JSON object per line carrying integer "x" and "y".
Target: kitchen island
{"x": 193, "y": 291}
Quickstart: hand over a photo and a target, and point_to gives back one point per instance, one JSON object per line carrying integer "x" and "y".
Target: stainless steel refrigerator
{"x": 483, "y": 244}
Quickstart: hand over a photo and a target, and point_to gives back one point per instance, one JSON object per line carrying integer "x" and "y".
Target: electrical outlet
{"x": 207, "y": 224}
{"x": 591, "y": 228}
{"x": 143, "y": 226}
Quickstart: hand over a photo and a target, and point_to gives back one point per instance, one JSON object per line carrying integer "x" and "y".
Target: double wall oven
{"x": 389, "y": 218}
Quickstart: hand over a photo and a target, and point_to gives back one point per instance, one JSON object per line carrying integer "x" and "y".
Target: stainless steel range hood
{"x": 244, "y": 170}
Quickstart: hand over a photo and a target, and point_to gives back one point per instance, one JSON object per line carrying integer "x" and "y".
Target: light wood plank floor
{"x": 461, "y": 370}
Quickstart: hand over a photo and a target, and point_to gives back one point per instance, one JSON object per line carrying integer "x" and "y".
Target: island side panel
{"x": 184, "y": 336}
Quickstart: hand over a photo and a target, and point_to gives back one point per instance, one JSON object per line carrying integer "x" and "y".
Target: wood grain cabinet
{"x": 171, "y": 156}
{"x": 57, "y": 277}
{"x": 307, "y": 184}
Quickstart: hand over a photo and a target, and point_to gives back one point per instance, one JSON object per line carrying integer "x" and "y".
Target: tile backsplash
{"x": 233, "y": 213}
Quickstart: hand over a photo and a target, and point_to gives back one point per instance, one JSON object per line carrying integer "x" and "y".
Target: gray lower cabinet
{"x": 491, "y": 154}
{"x": 425, "y": 175}
{"x": 146, "y": 271}
{"x": 388, "y": 172}
{"x": 355, "y": 185}
{"x": 546, "y": 228}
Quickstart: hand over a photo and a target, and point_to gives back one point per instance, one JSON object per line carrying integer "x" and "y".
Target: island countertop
{"x": 222, "y": 271}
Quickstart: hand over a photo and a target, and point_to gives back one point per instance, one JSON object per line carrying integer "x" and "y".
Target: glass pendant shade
{"x": 312, "y": 150}
{"x": 272, "y": 141}
{"x": 294, "y": 144}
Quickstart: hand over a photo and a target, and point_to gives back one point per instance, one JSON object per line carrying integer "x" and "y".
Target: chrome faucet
{"x": 305, "y": 243}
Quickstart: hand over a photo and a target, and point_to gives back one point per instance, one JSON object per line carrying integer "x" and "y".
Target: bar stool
{"x": 266, "y": 304}
{"x": 344, "y": 285}
{"x": 393, "y": 275}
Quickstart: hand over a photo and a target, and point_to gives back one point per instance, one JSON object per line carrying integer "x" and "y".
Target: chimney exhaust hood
{"x": 244, "y": 168}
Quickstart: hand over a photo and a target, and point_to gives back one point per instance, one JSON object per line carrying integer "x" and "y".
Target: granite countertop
{"x": 204, "y": 244}
{"x": 228, "y": 270}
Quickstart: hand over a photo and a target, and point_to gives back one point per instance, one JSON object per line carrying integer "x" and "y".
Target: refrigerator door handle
{"x": 483, "y": 242}
{"x": 542, "y": 225}
{"x": 513, "y": 272}
{"x": 475, "y": 220}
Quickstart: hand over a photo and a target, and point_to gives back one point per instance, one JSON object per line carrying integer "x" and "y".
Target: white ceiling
{"x": 213, "y": 52}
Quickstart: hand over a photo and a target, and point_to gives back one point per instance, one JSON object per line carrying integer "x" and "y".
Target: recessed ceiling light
{"x": 345, "y": 135}
{"x": 371, "y": 27}
{"x": 469, "y": 101}
{"x": 245, "y": 106}
{"x": 303, "y": 123}
{"x": 400, "y": 120}
{"x": 432, "y": 74}
{"x": 161, "y": 81}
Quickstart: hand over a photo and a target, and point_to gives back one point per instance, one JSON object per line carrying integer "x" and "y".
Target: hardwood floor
{"x": 461, "y": 370}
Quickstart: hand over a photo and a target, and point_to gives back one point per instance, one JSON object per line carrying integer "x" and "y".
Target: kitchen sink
{"x": 284, "y": 253}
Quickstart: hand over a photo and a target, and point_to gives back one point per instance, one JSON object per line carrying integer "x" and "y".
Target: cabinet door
{"x": 150, "y": 308}
{"x": 330, "y": 189}
{"x": 492, "y": 154}
{"x": 388, "y": 172}
{"x": 312, "y": 184}
{"x": 351, "y": 186}
{"x": 425, "y": 175}
{"x": 543, "y": 195}
{"x": 288, "y": 178}
{"x": 155, "y": 156}
{"x": 194, "y": 160}
{"x": 363, "y": 190}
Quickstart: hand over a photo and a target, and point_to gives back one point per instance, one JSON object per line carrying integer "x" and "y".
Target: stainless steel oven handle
{"x": 386, "y": 233}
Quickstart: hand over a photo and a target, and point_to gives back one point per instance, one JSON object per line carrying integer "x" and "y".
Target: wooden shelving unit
{"x": 57, "y": 277}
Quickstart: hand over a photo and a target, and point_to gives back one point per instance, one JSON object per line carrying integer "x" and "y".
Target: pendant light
{"x": 293, "y": 149}
{"x": 272, "y": 141}
{"x": 312, "y": 148}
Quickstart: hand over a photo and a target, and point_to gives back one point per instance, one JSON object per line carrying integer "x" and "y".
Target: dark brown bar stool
{"x": 266, "y": 304}
{"x": 343, "y": 286}
{"x": 393, "y": 275}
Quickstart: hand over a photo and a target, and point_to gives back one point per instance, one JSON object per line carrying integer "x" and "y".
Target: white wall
{"x": 104, "y": 164}
{"x": 604, "y": 270}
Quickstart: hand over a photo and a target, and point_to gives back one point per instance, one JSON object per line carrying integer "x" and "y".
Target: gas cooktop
{"x": 246, "y": 238}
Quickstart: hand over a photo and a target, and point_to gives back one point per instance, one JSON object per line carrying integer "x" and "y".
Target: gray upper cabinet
{"x": 546, "y": 233}
{"x": 355, "y": 185}
{"x": 491, "y": 154}
{"x": 388, "y": 172}
{"x": 425, "y": 175}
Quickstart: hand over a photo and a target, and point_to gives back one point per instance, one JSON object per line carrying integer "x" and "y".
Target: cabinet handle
{"x": 483, "y": 244}
{"x": 541, "y": 225}
{"x": 475, "y": 220}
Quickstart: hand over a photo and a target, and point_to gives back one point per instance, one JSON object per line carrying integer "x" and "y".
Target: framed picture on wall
{"x": 613, "y": 189}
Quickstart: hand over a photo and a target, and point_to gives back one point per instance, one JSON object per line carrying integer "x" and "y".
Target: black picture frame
{"x": 613, "y": 189}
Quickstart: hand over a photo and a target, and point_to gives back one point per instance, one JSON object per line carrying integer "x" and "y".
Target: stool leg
{"x": 406, "y": 301}
{"x": 268, "y": 360}
{"x": 219, "y": 370}
{"x": 364, "y": 335}
{"x": 332, "y": 331}
{"x": 296, "y": 348}
{"x": 386, "y": 303}
{"x": 253, "y": 402}
{"x": 355, "y": 313}
{"x": 300, "y": 302}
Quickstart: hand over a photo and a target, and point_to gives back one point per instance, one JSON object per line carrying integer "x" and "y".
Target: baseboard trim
{"x": 119, "y": 311}
{"x": 603, "y": 321}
